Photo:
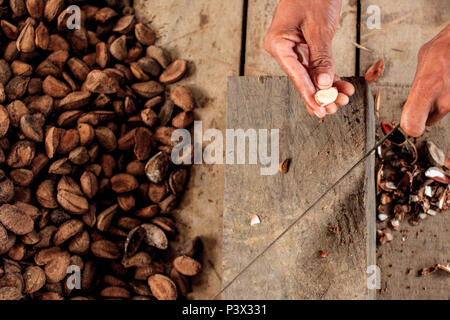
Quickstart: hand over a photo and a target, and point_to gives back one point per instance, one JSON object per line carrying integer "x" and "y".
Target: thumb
{"x": 321, "y": 64}
{"x": 415, "y": 113}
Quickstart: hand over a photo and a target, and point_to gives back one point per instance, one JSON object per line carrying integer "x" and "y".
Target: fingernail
{"x": 324, "y": 79}
{"x": 318, "y": 115}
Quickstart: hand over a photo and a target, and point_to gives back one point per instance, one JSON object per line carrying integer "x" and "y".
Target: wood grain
{"x": 259, "y": 62}
{"x": 405, "y": 26}
{"x": 321, "y": 153}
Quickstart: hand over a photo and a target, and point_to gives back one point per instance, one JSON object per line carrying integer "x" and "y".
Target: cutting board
{"x": 295, "y": 267}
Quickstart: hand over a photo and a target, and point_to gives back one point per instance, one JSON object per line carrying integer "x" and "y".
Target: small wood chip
{"x": 254, "y": 220}
{"x": 362, "y": 47}
{"x": 377, "y": 103}
{"x": 284, "y": 166}
{"x": 323, "y": 254}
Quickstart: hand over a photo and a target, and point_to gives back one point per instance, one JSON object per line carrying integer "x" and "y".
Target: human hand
{"x": 299, "y": 38}
{"x": 429, "y": 98}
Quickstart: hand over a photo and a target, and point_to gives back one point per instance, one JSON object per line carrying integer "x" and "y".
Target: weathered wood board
{"x": 259, "y": 62}
{"x": 208, "y": 35}
{"x": 405, "y": 26}
{"x": 321, "y": 153}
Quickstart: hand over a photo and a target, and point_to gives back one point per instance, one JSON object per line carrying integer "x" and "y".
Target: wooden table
{"x": 210, "y": 35}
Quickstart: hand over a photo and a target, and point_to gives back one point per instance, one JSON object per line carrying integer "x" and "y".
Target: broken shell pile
{"x": 413, "y": 183}
{"x": 87, "y": 185}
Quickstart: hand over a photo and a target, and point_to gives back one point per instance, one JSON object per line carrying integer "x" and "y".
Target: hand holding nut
{"x": 429, "y": 98}
{"x": 299, "y": 38}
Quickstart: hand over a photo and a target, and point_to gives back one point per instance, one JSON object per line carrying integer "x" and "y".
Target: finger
{"x": 439, "y": 110}
{"x": 331, "y": 108}
{"x": 288, "y": 61}
{"x": 415, "y": 112}
{"x": 345, "y": 87}
{"x": 342, "y": 100}
{"x": 321, "y": 64}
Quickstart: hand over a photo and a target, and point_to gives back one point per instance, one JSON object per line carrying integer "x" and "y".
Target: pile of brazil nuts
{"x": 87, "y": 182}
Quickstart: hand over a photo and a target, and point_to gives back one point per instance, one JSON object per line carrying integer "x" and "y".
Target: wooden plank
{"x": 405, "y": 26}
{"x": 207, "y": 34}
{"x": 259, "y": 62}
{"x": 321, "y": 153}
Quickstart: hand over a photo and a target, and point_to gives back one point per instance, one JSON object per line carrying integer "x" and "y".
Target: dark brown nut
{"x": 124, "y": 182}
{"x": 15, "y": 220}
{"x": 32, "y": 126}
{"x": 182, "y": 97}
{"x": 42, "y": 38}
{"x": 56, "y": 269}
{"x": 72, "y": 202}
{"x": 106, "y": 138}
{"x": 174, "y": 72}
{"x": 21, "y": 154}
{"x": 69, "y": 118}
{"x": 108, "y": 164}
{"x": 138, "y": 72}
{"x": 159, "y": 54}
{"x": 10, "y": 293}
{"x": 5, "y": 72}
{"x": 162, "y": 287}
{"x": 67, "y": 230}
{"x": 16, "y": 110}
{"x": 147, "y": 212}
{"x": 80, "y": 243}
{"x": 150, "y": 66}
{"x": 105, "y": 249}
{"x": 46, "y": 195}
{"x": 177, "y": 180}
{"x": 79, "y": 68}
{"x": 125, "y": 24}
{"x": 148, "y": 89}
{"x": 149, "y": 117}
{"x": 183, "y": 120}
{"x": 126, "y": 201}
{"x": 165, "y": 114}
{"x": 26, "y": 40}
{"x": 118, "y": 48}
{"x": 99, "y": 82}
{"x": 105, "y": 14}
{"x": 140, "y": 259}
{"x": 157, "y": 167}
{"x": 79, "y": 156}
{"x": 86, "y": 133}
{"x": 55, "y": 88}
{"x": 34, "y": 278}
{"x": 22, "y": 177}
{"x": 61, "y": 167}
{"x": 187, "y": 266}
{"x": 169, "y": 203}
{"x": 17, "y": 87}
{"x": 35, "y": 8}
{"x": 6, "y": 191}
{"x": 57, "y": 42}
{"x": 126, "y": 141}
{"x": 2, "y": 93}
{"x": 136, "y": 168}
{"x": 154, "y": 236}
{"x": 142, "y": 143}
{"x": 52, "y": 139}
{"x": 52, "y": 9}
{"x": 102, "y": 54}
{"x": 182, "y": 283}
{"x": 164, "y": 135}
{"x": 4, "y": 121}
{"x": 20, "y": 68}
{"x": 34, "y": 88}
{"x": 89, "y": 184}
{"x": 158, "y": 191}
{"x": 42, "y": 104}
{"x": 75, "y": 100}
{"x": 9, "y": 30}
{"x": 68, "y": 141}
{"x": 105, "y": 218}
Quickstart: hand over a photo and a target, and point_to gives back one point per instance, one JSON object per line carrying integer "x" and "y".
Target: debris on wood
{"x": 375, "y": 71}
{"x": 362, "y": 47}
{"x": 255, "y": 220}
{"x": 323, "y": 254}
{"x": 377, "y": 103}
{"x": 412, "y": 183}
{"x": 284, "y": 166}
{"x": 333, "y": 229}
